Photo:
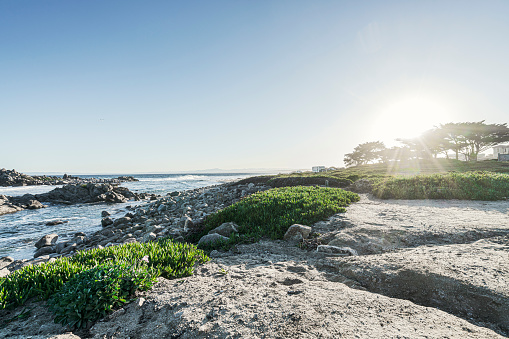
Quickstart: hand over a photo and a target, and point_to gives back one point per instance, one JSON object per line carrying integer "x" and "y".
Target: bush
{"x": 161, "y": 258}
{"x": 271, "y": 212}
{"x": 464, "y": 186}
{"x": 93, "y": 293}
{"x": 285, "y": 181}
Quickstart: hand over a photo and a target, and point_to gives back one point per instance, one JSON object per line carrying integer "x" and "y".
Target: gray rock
{"x": 60, "y": 246}
{"x": 297, "y": 232}
{"x": 121, "y": 221}
{"x": 34, "y": 204}
{"x": 69, "y": 249}
{"x": 56, "y": 222}
{"x": 225, "y": 229}
{"x": 44, "y": 250}
{"x": 4, "y": 272}
{"x": 106, "y": 221}
{"x": 105, "y": 214}
{"x": 149, "y": 237}
{"x": 346, "y": 251}
{"x": 212, "y": 238}
{"x": 47, "y": 240}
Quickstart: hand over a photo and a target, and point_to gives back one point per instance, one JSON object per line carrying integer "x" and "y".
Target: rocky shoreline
{"x": 383, "y": 269}
{"x": 15, "y": 178}
{"x": 174, "y": 215}
{"x": 71, "y": 194}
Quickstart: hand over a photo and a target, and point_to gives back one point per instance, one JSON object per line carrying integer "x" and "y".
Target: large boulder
{"x": 225, "y": 229}
{"x": 44, "y": 250}
{"x": 86, "y": 193}
{"x": 211, "y": 239}
{"x": 297, "y": 232}
{"x": 106, "y": 221}
{"x": 6, "y": 206}
{"x": 47, "y": 240}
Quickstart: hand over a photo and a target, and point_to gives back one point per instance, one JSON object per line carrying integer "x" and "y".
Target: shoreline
{"x": 438, "y": 246}
{"x": 272, "y": 282}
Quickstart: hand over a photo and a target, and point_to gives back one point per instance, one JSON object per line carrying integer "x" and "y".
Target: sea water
{"x": 20, "y": 230}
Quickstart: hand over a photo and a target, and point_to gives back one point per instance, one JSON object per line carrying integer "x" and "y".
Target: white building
{"x": 318, "y": 169}
{"x": 500, "y": 149}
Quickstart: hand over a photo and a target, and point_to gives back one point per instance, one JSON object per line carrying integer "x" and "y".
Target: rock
{"x": 297, "y": 232}
{"x": 106, "y": 221}
{"x": 60, "y": 246}
{"x": 34, "y": 204}
{"x": 69, "y": 249}
{"x": 105, "y": 214}
{"x": 44, "y": 250}
{"x": 4, "y": 272}
{"x": 188, "y": 224}
{"x": 127, "y": 178}
{"x": 6, "y": 207}
{"x": 56, "y": 222}
{"x": 120, "y": 221}
{"x": 149, "y": 237}
{"x": 346, "y": 251}
{"x": 212, "y": 238}
{"x": 4, "y": 261}
{"x": 47, "y": 240}
{"x": 91, "y": 192}
{"x": 111, "y": 197}
{"x": 225, "y": 229}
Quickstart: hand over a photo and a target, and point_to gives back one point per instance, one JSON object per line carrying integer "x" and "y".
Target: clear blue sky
{"x": 156, "y": 86}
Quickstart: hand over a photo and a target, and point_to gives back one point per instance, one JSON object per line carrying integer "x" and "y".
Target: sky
{"x": 174, "y": 86}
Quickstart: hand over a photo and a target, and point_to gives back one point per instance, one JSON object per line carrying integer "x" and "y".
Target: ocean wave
{"x": 187, "y": 177}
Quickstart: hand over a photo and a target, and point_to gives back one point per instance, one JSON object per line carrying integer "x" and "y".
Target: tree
{"x": 429, "y": 144}
{"x": 365, "y": 153}
{"x": 396, "y": 153}
{"x": 471, "y": 138}
{"x": 453, "y": 133}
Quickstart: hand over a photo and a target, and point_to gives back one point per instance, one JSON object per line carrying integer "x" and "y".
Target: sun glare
{"x": 407, "y": 118}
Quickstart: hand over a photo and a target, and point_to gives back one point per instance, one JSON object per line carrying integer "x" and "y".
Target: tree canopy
{"x": 467, "y": 138}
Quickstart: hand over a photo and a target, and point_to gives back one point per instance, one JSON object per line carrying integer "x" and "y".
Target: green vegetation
{"x": 91, "y": 294}
{"x": 465, "y": 186}
{"x": 270, "y": 213}
{"x": 416, "y": 179}
{"x": 116, "y": 271}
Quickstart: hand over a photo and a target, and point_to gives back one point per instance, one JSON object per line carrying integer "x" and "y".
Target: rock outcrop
{"x": 87, "y": 193}
{"x": 14, "y": 178}
{"x": 71, "y": 194}
{"x": 14, "y": 204}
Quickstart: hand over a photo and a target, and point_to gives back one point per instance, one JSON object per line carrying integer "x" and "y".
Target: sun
{"x": 407, "y": 117}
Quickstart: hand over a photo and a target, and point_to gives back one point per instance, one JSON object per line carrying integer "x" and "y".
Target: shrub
{"x": 465, "y": 186}
{"x": 285, "y": 181}
{"x": 271, "y": 212}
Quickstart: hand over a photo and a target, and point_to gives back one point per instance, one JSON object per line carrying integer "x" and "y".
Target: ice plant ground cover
{"x": 89, "y": 284}
{"x": 270, "y": 213}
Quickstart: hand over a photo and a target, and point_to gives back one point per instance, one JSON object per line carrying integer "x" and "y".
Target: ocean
{"x": 19, "y": 231}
